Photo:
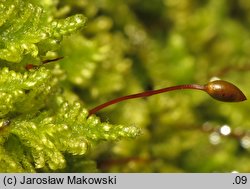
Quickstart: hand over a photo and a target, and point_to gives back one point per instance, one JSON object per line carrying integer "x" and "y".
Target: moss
{"x": 115, "y": 48}
{"x": 39, "y": 127}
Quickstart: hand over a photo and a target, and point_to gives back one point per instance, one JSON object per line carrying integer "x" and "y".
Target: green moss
{"x": 119, "y": 48}
{"x": 27, "y": 29}
{"x": 38, "y": 126}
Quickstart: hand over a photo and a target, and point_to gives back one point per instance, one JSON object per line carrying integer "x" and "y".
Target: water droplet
{"x": 225, "y": 130}
{"x": 214, "y": 138}
{"x": 245, "y": 142}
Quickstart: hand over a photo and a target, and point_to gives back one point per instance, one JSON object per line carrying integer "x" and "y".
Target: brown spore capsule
{"x": 224, "y": 91}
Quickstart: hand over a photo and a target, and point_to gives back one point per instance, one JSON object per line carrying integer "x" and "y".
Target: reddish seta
{"x": 218, "y": 89}
{"x": 32, "y": 66}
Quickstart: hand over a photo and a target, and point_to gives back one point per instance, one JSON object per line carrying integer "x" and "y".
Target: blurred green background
{"x": 129, "y": 46}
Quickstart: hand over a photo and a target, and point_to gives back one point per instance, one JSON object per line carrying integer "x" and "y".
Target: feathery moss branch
{"x": 27, "y": 29}
{"x": 38, "y": 127}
